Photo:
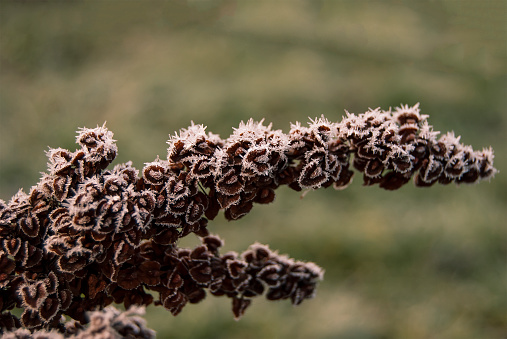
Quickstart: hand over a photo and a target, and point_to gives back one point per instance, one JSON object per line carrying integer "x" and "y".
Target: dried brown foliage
{"x": 86, "y": 236}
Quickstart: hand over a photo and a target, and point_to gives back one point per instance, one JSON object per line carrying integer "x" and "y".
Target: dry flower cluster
{"x": 108, "y": 323}
{"x": 86, "y": 236}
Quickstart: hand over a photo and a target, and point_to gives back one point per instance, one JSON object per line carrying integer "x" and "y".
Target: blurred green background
{"x": 415, "y": 263}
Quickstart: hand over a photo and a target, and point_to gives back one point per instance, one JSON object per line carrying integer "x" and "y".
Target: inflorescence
{"x": 86, "y": 236}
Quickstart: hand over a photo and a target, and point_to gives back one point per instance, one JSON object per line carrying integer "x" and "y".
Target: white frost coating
{"x": 404, "y": 109}
{"x": 219, "y": 162}
{"x": 426, "y": 132}
{"x": 255, "y": 133}
{"x": 249, "y": 131}
{"x": 323, "y": 129}
{"x": 487, "y": 155}
{"x": 96, "y": 142}
{"x": 189, "y": 136}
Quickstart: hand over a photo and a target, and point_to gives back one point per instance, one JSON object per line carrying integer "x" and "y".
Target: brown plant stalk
{"x": 87, "y": 236}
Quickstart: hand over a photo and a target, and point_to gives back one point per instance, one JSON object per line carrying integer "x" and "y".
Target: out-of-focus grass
{"x": 416, "y": 263}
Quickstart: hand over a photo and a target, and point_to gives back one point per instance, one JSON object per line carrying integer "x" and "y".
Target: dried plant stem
{"x": 86, "y": 236}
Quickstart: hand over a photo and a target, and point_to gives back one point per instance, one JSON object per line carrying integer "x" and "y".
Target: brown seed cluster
{"x": 107, "y": 323}
{"x": 391, "y": 147}
{"x": 87, "y": 236}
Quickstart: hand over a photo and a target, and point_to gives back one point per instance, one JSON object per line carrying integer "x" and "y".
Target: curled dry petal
{"x": 33, "y": 295}
{"x": 239, "y": 306}
{"x": 154, "y": 173}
